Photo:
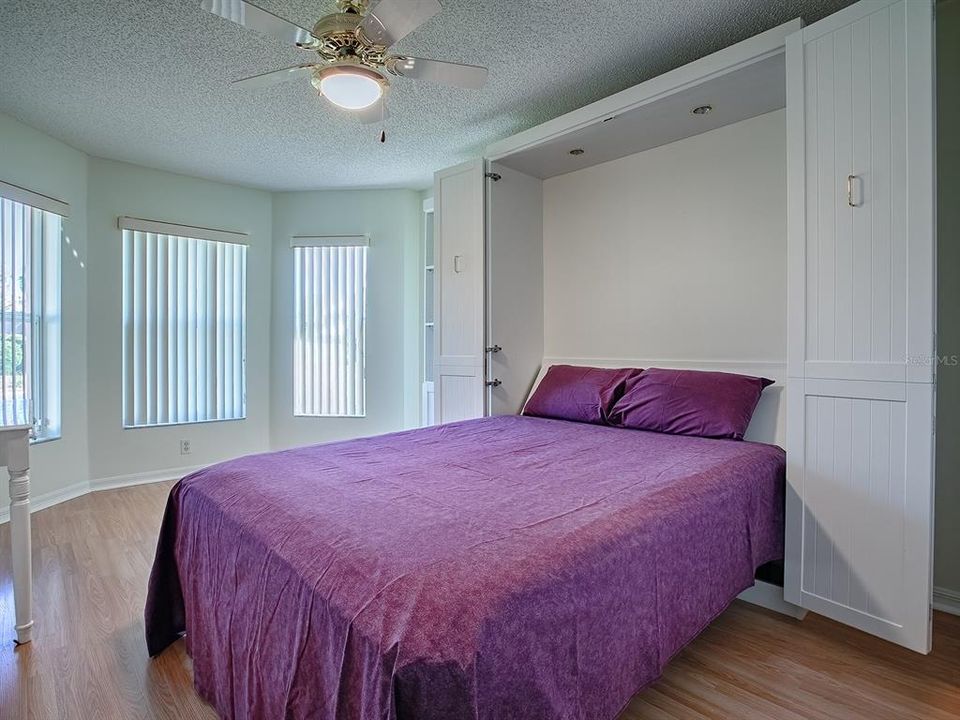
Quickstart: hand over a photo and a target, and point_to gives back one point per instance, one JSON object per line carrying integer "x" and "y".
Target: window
{"x": 330, "y": 279}
{"x": 30, "y": 236}
{"x": 184, "y": 325}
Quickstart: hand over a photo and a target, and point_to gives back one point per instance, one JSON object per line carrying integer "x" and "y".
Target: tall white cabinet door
{"x": 862, "y": 296}
{"x": 514, "y": 287}
{"x": 459, "y": 311}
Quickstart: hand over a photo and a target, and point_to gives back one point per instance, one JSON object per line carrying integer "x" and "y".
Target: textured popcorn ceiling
{"x": 148, "y": 81}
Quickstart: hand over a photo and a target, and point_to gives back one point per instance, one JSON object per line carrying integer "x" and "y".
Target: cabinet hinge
{"x": 493, "y": 176}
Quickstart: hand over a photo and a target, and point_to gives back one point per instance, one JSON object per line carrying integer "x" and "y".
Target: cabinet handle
{"x": 458, "y": 263}
{"x": 851, "y": 179}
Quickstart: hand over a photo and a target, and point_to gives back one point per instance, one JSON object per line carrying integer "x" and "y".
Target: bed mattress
{"x": 507, "y": 567}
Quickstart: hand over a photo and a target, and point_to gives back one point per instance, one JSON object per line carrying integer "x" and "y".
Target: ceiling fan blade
{"x": 439, "y": 71}
{"x": 256, "y": 18}
{"x": 275, "y": 77}
{"x": 372, "y": 115}
{"x": 390, "y": 20}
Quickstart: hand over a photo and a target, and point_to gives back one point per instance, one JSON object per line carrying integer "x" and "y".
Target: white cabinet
{"x": 861, "y": 305}
{"x": 489, "y": 290}
{"x": 459, "y": 311}
{"x": 860, "y": 297}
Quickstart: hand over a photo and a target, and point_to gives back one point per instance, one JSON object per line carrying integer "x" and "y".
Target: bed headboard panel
{"x": 769, "y": 420}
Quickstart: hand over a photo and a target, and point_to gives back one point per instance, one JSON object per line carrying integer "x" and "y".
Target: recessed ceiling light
{"x": 702, "y": 110}
{"x": 577, "y": 151}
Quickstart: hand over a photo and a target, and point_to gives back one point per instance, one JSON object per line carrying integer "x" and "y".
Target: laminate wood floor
{"x": 88, "y": 658}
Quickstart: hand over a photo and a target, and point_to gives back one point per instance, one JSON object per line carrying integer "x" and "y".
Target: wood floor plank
{"x": 92, "y": 556}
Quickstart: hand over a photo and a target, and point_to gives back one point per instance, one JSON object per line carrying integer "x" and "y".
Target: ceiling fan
{"x": 354, "y": 66}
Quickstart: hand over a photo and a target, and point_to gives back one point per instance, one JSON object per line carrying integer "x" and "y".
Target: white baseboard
{"x": 144, "y": 478}
{"x": 45, "y": 500}
{"x": 41, "y": 502}
{"x": 771, "y": 597}
{"x": 946, "y": 600}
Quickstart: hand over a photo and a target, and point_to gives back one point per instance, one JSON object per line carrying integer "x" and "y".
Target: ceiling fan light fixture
{"x": 350, "y": 87}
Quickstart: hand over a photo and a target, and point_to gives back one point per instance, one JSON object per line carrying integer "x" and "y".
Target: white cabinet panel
{"x": 863, "y": 489}
{"x": 460, "y": 393}
{"x": 861, "y": 288}
{"x": 460, "y": 276}
{"x": 854, "y": 462}
{"x": 856, "y": 191}
{"x": 459, "y": 217}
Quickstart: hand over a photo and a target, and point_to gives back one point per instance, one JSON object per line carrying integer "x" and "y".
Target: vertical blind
{"x": 29, "y": 249}
{"x": 184, "y": 329}
{"x": 330, "y": 316}
{"x": 20, "y": 228}
{"x": 30, "y": 234}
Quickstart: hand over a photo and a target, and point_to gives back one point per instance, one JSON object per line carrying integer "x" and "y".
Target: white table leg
{"x": 20, "y": 543}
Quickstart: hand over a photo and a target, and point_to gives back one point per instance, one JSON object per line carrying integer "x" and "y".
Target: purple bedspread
{"x": 509, "y": 567}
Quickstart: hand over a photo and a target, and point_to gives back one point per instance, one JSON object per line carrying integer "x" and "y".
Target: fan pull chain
{"x": 383, "y": 119}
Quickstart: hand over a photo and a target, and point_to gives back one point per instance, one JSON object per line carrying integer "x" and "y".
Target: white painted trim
{"x": 921, "y": 223}
{"x": 770, "y": 597}
{"x": 796, "y": 207}
{"x": 754, "y": 49}
{"x": 770, "y": 368}
{"x": 946, "y": 600}
{"x": 901, "y": 634}
{"x": 34, "y": 199}
{"x": 144, "y": 478}
{"x": 49, "y": 499}
{"x": 314, "y": 241}
{"x": 55, "y": 497}
{"x": 875, "y": 371}
{"x": 796, "y": 448}
{"x": 165, "y": 228}
{"x": 842, "y": 18}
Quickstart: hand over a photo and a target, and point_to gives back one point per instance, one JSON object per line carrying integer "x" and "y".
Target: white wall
{"x": 392, "y": 220}
{"x": 117, "y": 189}
{"x": 675, "y": 253}
{"x": 40, "y": 163}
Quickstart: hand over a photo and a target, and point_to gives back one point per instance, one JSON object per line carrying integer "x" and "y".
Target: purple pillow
{"x": 689, "y": 402}
{"x": 581, "y": 394}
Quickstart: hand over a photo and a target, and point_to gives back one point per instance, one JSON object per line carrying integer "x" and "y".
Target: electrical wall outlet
{"x": 184, "y": 447}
